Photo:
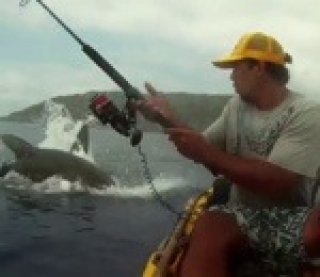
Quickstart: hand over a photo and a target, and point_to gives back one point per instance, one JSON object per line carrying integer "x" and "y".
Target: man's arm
{"x": 258, "y": 176}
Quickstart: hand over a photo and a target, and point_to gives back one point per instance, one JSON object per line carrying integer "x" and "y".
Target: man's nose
{"x": 232, "y": 75}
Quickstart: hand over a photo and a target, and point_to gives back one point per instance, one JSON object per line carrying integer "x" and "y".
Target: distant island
{"x": 199, "y": 110}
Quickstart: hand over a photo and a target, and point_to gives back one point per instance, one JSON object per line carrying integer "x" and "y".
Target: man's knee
{"x": 218, "y": 229}
{"x": 311, "y": 234}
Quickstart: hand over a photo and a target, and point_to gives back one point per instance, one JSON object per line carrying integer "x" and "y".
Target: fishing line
{"x": 148, "y": 176}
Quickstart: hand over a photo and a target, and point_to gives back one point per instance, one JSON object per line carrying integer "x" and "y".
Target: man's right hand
{"x": 156, "y": 108}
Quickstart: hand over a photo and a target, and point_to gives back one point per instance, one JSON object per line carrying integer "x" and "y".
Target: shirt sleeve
{"x": 298, "y": 147}
{"x": 216, "y": 132}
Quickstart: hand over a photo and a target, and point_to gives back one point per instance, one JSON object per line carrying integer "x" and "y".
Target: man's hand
{"x": 156, "y": 108}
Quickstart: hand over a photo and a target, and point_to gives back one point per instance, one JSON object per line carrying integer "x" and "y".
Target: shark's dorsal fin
{"x": 20, "y": 147}
{"x": 82, "y": 140}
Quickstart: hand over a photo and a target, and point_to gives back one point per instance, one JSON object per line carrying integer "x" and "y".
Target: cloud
{"x": 168, "y": 43}
{"x": 34, "y": 84}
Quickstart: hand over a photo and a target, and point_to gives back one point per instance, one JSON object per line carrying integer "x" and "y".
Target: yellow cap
{"x": 257, "y": 46}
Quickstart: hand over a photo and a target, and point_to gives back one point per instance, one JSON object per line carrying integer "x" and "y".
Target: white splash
{"x": 161, "y": 185}
{"x": 61, "y": 131}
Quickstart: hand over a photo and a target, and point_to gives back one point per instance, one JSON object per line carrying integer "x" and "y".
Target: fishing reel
{"x": 124, "y": 122}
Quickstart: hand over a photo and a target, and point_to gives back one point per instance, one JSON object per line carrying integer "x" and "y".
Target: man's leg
{"x": 311, "y": 240}
{"x": 311, "y": 234}
{"x": 215, "y": 242}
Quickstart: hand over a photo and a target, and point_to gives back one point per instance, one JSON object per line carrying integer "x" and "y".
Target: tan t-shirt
{"x": 288, "y": 136}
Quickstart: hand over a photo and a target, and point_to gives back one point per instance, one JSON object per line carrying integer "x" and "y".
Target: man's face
{"x": 245, "y": 80}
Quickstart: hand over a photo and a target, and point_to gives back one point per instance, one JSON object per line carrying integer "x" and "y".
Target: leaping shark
{"x": 38, "y": 164}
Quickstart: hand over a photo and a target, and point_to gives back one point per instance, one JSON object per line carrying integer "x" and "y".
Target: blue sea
{"x": 56, "y": 228}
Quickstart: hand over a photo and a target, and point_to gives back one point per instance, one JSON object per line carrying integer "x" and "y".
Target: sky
{"x": 168, "y": 43}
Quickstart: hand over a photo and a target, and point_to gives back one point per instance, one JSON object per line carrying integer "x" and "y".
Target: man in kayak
{"x": 267, "y": 143}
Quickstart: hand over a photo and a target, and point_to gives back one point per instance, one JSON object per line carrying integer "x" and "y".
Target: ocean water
{"x": 58, "y": 228}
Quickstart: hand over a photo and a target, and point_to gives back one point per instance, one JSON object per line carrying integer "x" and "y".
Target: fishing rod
{"x": 102, "y": 107}
{"x": 131, "y": 92}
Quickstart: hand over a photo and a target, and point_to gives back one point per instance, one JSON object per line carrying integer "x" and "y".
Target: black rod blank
{"x": 94, "y": 55}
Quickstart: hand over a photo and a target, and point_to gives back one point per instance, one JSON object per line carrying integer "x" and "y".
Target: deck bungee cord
{"x": 123, "y": 121}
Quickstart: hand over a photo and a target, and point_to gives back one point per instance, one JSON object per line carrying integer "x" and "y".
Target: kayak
{"x": 165, "y": 260}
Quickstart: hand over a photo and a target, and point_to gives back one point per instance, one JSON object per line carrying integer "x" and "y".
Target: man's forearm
{"x": 173, "y": 122}
{"x": 258, "y": 176}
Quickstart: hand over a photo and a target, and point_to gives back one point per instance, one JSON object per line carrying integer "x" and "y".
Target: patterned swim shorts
{"x": 275, "y": 235}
